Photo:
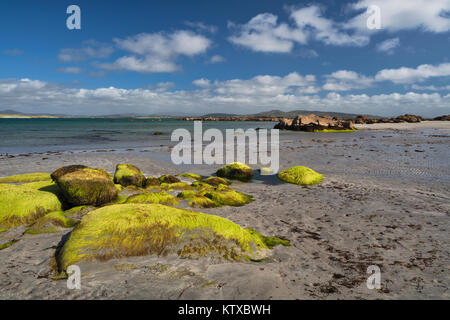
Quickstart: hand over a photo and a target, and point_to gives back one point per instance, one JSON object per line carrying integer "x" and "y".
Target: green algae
{"x": 128, "y": 174}
{"x": 192, "y": 176}
{"x": 236, "y": 171}
{"x": 143, "y": 229}
{"x": 30, "y": 177}
{"x": 51, "y": 223}
{"x": 300, "y": 175}
{"x": 154, "y": 197}
{"x": 215, "y": 181}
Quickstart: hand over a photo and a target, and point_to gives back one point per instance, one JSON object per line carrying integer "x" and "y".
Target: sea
{"x": 18, "y": 136}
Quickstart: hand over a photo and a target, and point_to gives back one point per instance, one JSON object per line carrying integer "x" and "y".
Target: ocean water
{"x": 18, "y": 136}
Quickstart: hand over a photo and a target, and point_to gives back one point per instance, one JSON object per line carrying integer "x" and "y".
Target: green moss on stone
{"x": 215, "y": 181}
{"x": 154, "y": 197}
{"x": 192, "y": 176}
{"x": 167, "y": 178}
{"x": 270, "y": 242}
{"x": 175, "y": 186}
{"x": 128, "y": 174}
{"x": 300, "y": 175}
{"x": 23, "y": 204}
{"x": 236, "y": 171}
{"x": 143, "y": 229}
{"x": 87, "y": 187}
{"x": 30, "y": 177}
{"x": 51, "y": 223}
{"x": 223, "y": 195}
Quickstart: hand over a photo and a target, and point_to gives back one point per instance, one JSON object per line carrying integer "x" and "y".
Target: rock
{"x": 67, "y": 169}
{"x": 215, "y": 181}
{"x": 129, "y": 175}
{"x": 51, "y": 223}
{"x": 153, "y": 197}
{"x": 223, "y": 195}
{"x": 167, "y": 178}
{"x": 236, "y": 171}
{"x": 312, "y": 123}
{"x": 408, "y": 118}
{"x": 128, "y": 230}
{"x": 151, "y": 181}
{"x": 86, "y": 186}
{"x": 442, "y": 118}
{"x": 192, "y": 176}
{"x": 30, "y": 177}
{"x": 158, "y": 133}
{"x": 300, "y": 175}
{"x": 24, "y": 204}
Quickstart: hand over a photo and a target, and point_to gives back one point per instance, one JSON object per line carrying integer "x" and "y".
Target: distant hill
{"x": 287, "y": 114}
{"x": 10, "y": 112}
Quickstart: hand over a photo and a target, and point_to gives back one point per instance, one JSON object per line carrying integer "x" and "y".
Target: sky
{"x": 207, "y": 56}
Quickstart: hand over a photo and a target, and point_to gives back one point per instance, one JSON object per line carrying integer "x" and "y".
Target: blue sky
{"x": 195, "y": 57}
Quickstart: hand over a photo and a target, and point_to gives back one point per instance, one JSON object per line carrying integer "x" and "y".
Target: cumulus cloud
{"x": 344, "y": 80}
{"x": 410, "y": 75}
{"x": 263, "y": 33}
{"x": 388, "y": 46}
{"x": 398, "y": 15}
{"x": 157, "y": 52}
{"x": 91, "y": 50}
{"x": 235, "y": 96}
{"x": 216, "y": 59}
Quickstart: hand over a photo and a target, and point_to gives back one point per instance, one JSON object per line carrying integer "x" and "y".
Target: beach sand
{"x": 385, "y": 201}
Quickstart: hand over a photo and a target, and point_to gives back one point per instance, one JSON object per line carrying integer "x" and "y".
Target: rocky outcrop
{"x": 403, "y": 118}
{"x": 234, "y": 118}
{"x": 442, "y": 118}
{"x": 311, "y": 123}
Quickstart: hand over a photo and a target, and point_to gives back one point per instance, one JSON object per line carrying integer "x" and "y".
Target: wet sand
{"x": 385, "y": 201}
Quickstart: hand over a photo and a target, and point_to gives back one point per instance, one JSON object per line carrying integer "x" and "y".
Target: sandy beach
{"x": 384, "y": 201}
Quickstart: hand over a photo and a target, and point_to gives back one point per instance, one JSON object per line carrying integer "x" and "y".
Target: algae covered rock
{"x": 236, "y": 171}
{"x": 167, "y": 178}
{"x": 51, "y": 223}
{"x": 196, "y": 200}
{"x": 29, "y": 177}
{"x": 144, "y": 229}
{"x": 153, "y": 197}
{"x": 191, "y": 176}
{"x": 215, "y": 181}
{"x": 223, "y": 195}
{"x": 85, "y": 186}
{"x": 300, "y": 175}
{"x": 151, "y": 182}
{"x": 26, "y": 203}
{"x": 129, "y": 175}
{"x": 64, "y": 170}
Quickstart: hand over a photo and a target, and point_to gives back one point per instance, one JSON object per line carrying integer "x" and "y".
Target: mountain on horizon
{"x": 287, "y": 114}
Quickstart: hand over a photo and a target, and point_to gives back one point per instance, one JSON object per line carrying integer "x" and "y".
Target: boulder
{"x": 129, "y": 175}
{"x": 167, "y": 178}
{"x": 236, "y": 171}
{"x": 127, "y": 230}
{"x": 442, "y": 118}
{"x": 85, "y": 186}
{"x": 312, "y": 123}
{"x": 300, "y": 175}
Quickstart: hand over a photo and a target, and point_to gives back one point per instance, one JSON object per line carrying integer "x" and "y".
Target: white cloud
{"x": 216, "y": 59}
{"x": 200, "y": 26}
{"x": 388, "y": 46}
{"x": 344, "y": 80}
{"x": 430, "y": 88}
{"x": 202, "y": 83}
{"x": 70, "y": 70}
{"x": 427, "y": 15}
{"x": 325, "y": 30}
{"x": 262, "y": 33}
{"x": 91, "y": 50}
{"x": 157, "y": 52}
{"x": 235, "y": 96}
{"x": 410, "y": 75}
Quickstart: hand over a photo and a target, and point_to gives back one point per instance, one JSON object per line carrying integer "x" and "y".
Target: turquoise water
{"x": 41, "y": 135}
